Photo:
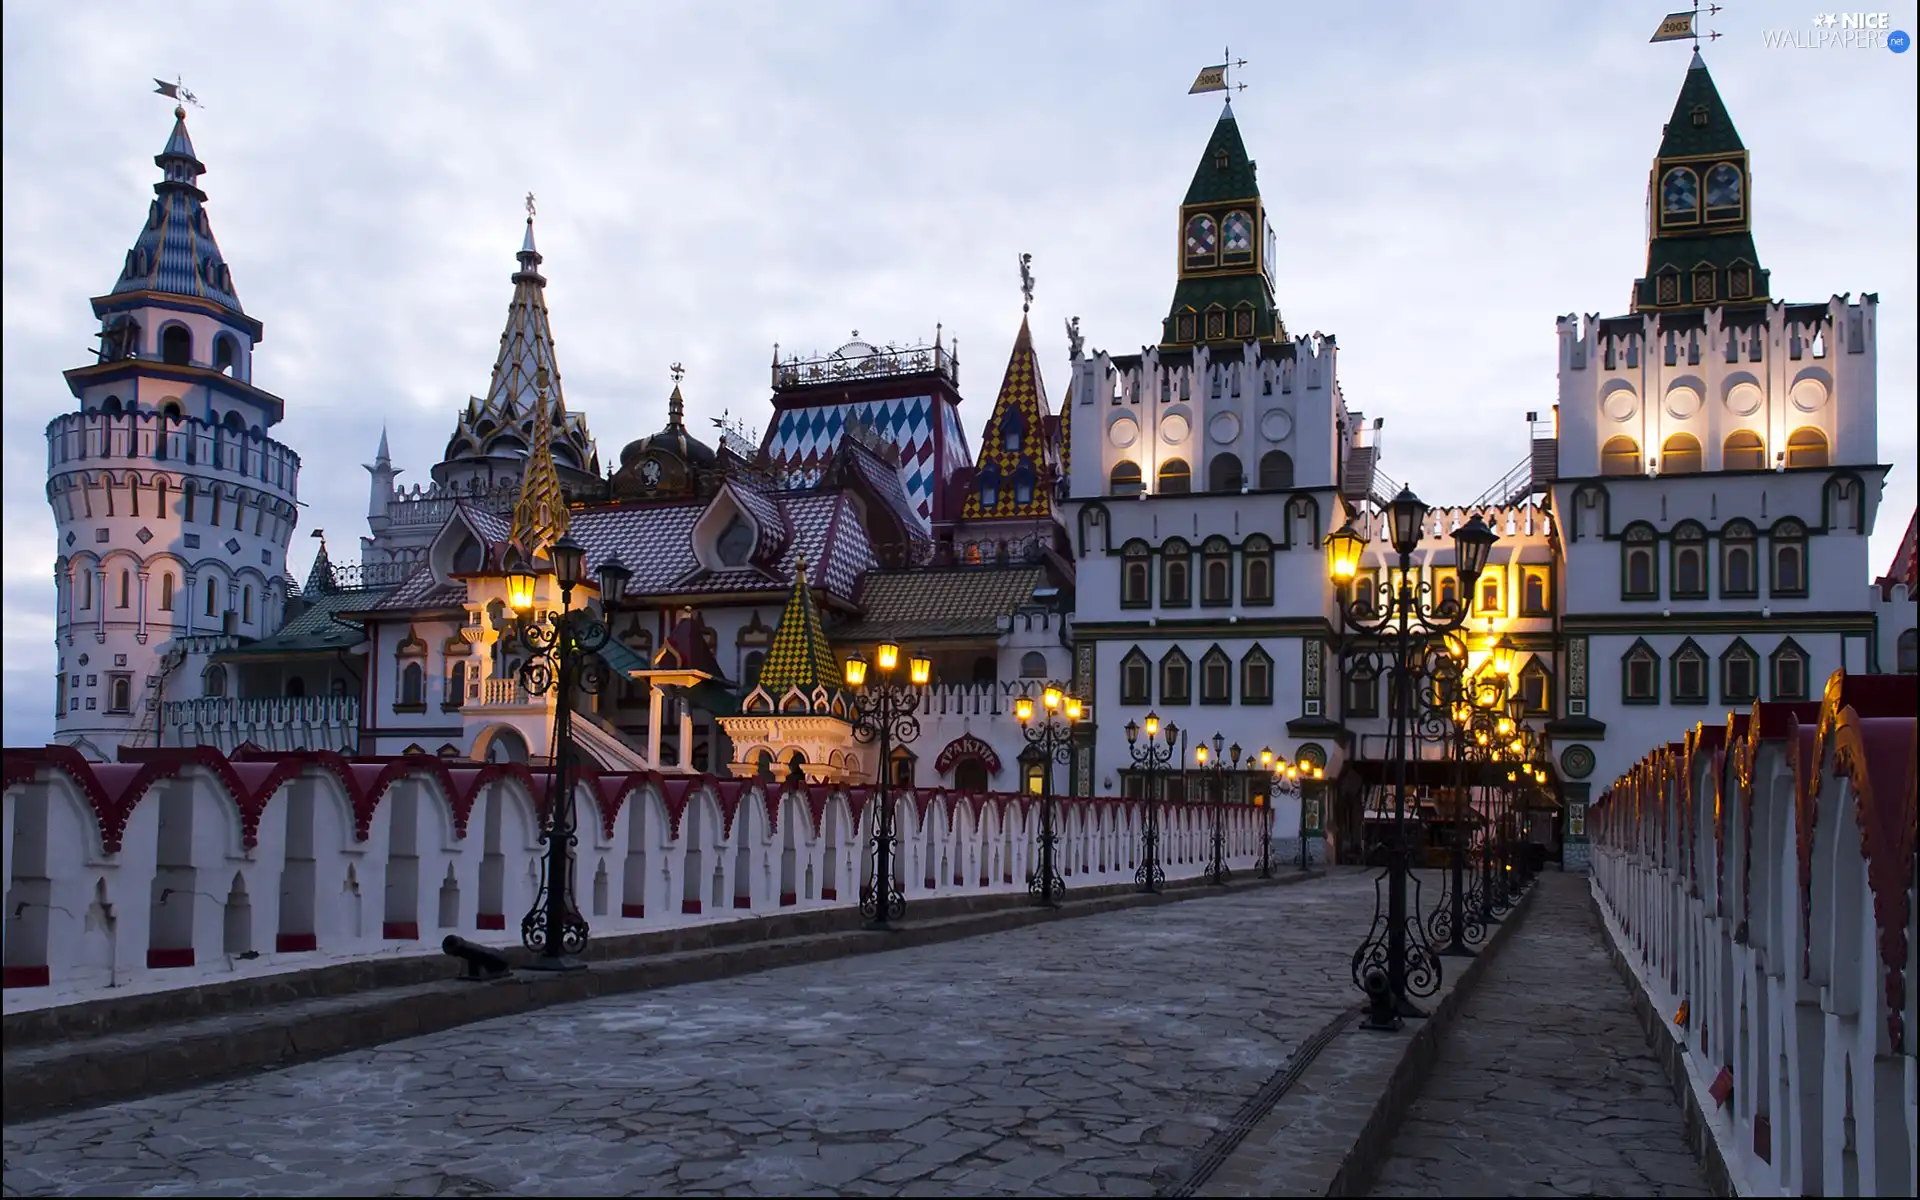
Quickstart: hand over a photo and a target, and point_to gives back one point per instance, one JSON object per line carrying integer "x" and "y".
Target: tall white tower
{"x": 172, "y": 504}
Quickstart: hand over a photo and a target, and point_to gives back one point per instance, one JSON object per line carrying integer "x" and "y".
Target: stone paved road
{"x": 1545, "y": 1085}
{"x": 1070, "y": 1058}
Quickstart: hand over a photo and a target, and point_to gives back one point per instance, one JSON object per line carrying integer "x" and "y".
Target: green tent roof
{"x": 1714, "y": 134}
{"x": 1231, "y": 181}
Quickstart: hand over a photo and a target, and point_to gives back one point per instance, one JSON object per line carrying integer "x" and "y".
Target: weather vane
{"x": 529, "y": 206}
{"x": 678, "y": 372}
{"x": 1026, "y": 282}
{"x": 176, "y": 91}
{"x": 1216, "y": 78}
{"x": 1680, "y": 26}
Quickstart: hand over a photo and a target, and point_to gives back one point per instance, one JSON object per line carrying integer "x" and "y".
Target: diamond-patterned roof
{"x": 176, "y": 253}
{"x": 802, "y": 440}
{"x": 799, "y": 656}
{"x": 1016, "y": 452}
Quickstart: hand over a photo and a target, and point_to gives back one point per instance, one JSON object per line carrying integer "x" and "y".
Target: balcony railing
{"x": 858, "y": 360}
{"x": 270, "y": 723}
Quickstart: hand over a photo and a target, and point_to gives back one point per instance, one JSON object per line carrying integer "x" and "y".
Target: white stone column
{"x": 685, "y": 758}
{"x": 653, "y": 726}
{"x": 100, "y": 605}
{"x": 141, "y": 636}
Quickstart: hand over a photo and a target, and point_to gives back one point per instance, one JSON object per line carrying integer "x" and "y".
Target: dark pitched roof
{"x": 317, "y": 629}
{"x": 175, "y": 252}
{"x": 1683, "y": 136}
{"x": 961, "y": 602}
{"x": 1231, "y": 181}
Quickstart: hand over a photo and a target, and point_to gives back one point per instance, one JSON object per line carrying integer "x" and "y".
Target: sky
{"x": 713, "y": 178}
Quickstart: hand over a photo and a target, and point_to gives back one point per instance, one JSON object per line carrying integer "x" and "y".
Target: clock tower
{"x": 1226, "y": 289}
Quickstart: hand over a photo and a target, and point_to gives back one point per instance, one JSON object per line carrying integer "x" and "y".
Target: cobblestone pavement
{"x": 1545, "y": 1085}
{"x": 1075, "y": 1057}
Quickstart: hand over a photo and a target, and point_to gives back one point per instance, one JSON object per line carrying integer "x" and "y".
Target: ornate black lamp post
{"x": 1051, "y": 737}
{"x": 1399, "y": 633}
{"x": 1216, "y": 872}
{"x": 1153, "y": 757}
{"x": 883, "y": 712}
{"x": 1291, "y": 779}
{"x": 1274, "y": 788}
{"x": 560, "y": 660}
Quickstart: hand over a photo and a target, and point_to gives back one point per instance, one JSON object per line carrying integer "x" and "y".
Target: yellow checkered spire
{"x": 799, "y": 656}
{"x": 540, "y": 515}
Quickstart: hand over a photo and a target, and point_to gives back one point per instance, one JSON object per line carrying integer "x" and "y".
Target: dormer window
{"x": 1699, "y": 116}
{"x": 1219, "y": 160}
{"x": 1012, "y": 430}
{"x": 1023, "y": 483}
{"x": 1666, "y": 289}
{"x": 735, "y": 543}
{"x": 990, "y": 487}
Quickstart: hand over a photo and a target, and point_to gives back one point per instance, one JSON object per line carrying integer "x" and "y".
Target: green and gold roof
{"x": 800, "y": 674}
{"x": 1018, "y": 461}
{"x": 1225, "y": 291}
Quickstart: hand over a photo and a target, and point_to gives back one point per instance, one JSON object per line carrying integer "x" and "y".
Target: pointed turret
{"x": 175, "y": 253}
{"x": 380, "y": 486}
{"x": 540, "y": 517}
{"x": 321, "y": 579}
{"x": 1226, "y": 289}
{"x": 1018, "y": 461}
{"x": 493, "y": 432}
{"x": 1700, "y": 248}
{"x": 799, "y": 659}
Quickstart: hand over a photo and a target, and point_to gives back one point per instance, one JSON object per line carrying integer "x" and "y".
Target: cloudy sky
{"x": 715, "y": 177}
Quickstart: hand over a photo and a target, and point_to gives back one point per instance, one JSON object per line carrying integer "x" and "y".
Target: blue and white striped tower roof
{"x": 176, "y": 253}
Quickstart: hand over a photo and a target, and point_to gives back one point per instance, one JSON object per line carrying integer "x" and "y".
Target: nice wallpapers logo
{"x": 1842, "y": 31}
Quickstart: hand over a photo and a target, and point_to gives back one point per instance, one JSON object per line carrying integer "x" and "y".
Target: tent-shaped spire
{"x": 540, "y": 516}
{"x": 175, "y": 252}
{"x": 799, "y": 657}
{"x": 1018, "y": 460}
{"x": 498, "y": 426}
{"x": 1700, "y": 249}
{"x": 1225, "y": 172}
{"x": 321, "y": 579}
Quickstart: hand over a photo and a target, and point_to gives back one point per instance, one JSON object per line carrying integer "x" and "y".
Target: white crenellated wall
{"x": 186, "y": 868}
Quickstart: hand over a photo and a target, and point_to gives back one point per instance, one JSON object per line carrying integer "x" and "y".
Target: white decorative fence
{"x": 1761, "y": 876}
{"x": 183, "y": 866}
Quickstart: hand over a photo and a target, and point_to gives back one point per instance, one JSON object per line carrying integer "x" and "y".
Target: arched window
{"x": 1536, "y": 688}
{"x": 1789, "y": 540}
{"x": 1256, "y": 677}
{"x": 1176, "y": 478}
{"x": 1723, "y": 192}
{"x": 212, "y": 596}
{"x": 1533, "y": 594}
{"x": 990, "y": 486}
{"x": 1739, "y": 674}
{"x": 1640, "y": 675}
{"x": 126, "y": 587}
{"x": 1256, "y": 570}
{"x": 750, "y": 667}
{"x": 1176, "y": 678}
{"x": 1125, "y": 479}
{"x": 1449, "y": 591}
{"x": 1136, "y": 577}
{"x": 1620, "y": 456}
{"x": 166, "y": 592}
{"x": 1136, "y": 678}
{"x": 1013, "y": 428}
{"x": 1743, "y": 451}
{"x": 1224, "y": 473}
{"x": 224, "y": 356}
{"x": 297, "y": 687}
{"x": 1216, "y": 677}
{"x": 246, "y": 604}
{"x": 1023, "y": 483}
{"x": 235, "y": 422}
{"x": 1689, "y": 674}
{"x": 457, "y": 686}
{"x": 160, "y": 491}
{"x": 1033, "y": 665}
{"x": 1362, "y": 687}
{"x": 1789, "y": 672}
{"x": 111, "y": 406}
{"x": 413, "y": 685}
{"x": 1907, "y": 652}
{"x": 214, "y": 683}
{"x": 1680, "y": 455}
{"x": 1216, "y": 572}
{"x": 1806, "y": 447}
{"x": 1689, "y": 546}
{"x": 176, "y": 345}
{"x": 1639, "y": 571}
{"x": 1203, "y": 241}
{"x": 1276, "y": 470}
{"x": 1679, "y": 197}
{"x": 86, "y": 588}
{"x": 1176, "y": 574}
{"x": 120, "y": 700}
{"x": 1737, "y": 576}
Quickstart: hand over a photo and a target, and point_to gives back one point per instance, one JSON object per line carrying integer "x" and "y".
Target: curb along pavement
{"x": 1327, "y": 1135}
{"x": 99, "y": 1052}
{"x": 1671, "y": 1049}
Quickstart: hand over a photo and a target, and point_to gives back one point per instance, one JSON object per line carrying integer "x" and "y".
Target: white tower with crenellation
{"x": 173, "y": 506}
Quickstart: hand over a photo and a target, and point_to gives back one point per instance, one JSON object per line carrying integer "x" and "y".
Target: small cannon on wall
{"x": 480, "y": 962}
